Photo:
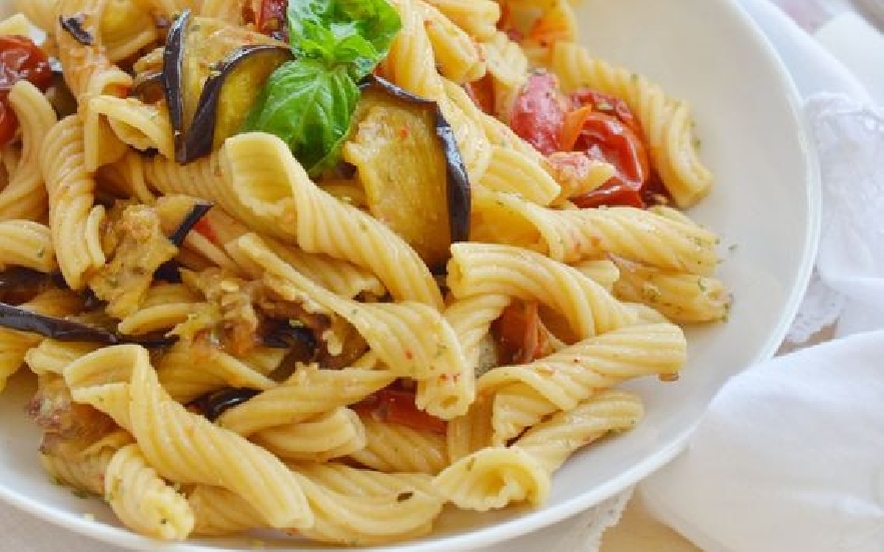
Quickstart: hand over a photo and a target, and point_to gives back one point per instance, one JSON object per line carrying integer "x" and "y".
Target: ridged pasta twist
{"x": 477, "y": 269}
{"x": 24, "y": 196}
{"x": 308, "y": 393}
{"x": 163, "y": 306}
{"x": 333, "y": 434}
{"x": 181, "y": 446}
{"x": 525, "y": 394}
{"x": 573, "y": 235}
{"x": 352, "y": 506}
{"x": 681, "y": 297}
{"x": 395, "y": 448}
{"x": 74, "y": 218}
{"x": 27, "y": 244}
{"x": 123, "y": 29}
{"x": 552, "y": 441}
{"x": 142, "y": 500}
{"x": 51, "y": 356}
{"x": 494, "y": 477}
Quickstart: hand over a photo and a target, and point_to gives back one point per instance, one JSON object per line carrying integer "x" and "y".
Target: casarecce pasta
{"x": 264, "y": 280}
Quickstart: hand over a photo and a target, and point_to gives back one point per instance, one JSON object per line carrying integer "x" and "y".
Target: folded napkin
{"x": 790, "y": 455}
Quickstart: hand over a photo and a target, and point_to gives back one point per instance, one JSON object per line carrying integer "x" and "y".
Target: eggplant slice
{"x": 411, "y": 168}
{"x": 212, "y": 74}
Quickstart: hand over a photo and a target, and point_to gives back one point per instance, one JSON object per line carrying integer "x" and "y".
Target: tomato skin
{"x": 397, "y": 406}
{"x": 8, "y": 123}
{"x": 482, "y": 93}
{"x": 520, "y": 335}
{"x": 269, "y": 17}
{"x": 538, "y": 112}
{"x": 607, "y": 104}
{"x": 605, "y": 137}
{"x": 204, "y": 228}
{"x": 20, "y": 59}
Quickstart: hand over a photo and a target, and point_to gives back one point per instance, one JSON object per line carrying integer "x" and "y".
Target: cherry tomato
{"x": 606, "y": 138}
{"x": 520, "y": 334}
{"x": 20, "y": 59}
{"x": 538, "y": 112}
{"x": 397, "y": 406}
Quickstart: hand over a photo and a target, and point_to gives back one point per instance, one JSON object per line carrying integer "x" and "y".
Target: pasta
{"x": 248, "y": 309}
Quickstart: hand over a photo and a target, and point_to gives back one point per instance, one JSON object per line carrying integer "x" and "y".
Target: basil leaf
{"x": 354, "y": 32}
{"x": 310, "y": 108}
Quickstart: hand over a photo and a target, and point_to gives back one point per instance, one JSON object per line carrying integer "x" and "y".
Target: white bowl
{"x": 765, "y": 206}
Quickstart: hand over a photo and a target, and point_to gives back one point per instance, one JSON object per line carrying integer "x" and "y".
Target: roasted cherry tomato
{"x": 538, "y": 112}
{"x": 605, "y": 128}
{"x": 20, "y": 59}
{"x": 397, "y": 406}
{"x": 606, "y": 138}
{"x": 521, "y": 335}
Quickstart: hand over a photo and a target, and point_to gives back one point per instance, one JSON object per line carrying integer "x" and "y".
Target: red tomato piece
{"x": 613, "y": 192}
{"x": 204, "y": 228}
{"x": 606, "y": 138}
{"x": 538, "y": 112}
{"x": 20, "y": 59}
{"x": 269, "y": 17}
{"x": 609, "y": 105}
{"x": 482, "y": 93}
{"x": 397, "y": 406}
{"x": 521, "y": 335}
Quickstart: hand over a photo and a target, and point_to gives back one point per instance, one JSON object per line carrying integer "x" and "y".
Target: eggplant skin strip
{"x": 23, "y": 320}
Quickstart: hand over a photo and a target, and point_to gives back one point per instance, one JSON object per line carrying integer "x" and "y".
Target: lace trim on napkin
{"x": 850, "y": 141}
{"x": 585, "y": 532}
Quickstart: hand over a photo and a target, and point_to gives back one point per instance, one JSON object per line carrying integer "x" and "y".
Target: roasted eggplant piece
{"x": 212, "y": 73}
{"x": 413, "y": 173}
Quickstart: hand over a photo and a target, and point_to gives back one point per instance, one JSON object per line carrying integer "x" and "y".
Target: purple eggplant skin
{"x": 200, "y": 139}
{"x": 173, "y": 87}
{"x": 23, "y": 320}
{"x": 74, "y": 26}
{"x": 458, "y": 181}
{"x": 196, "y": 214}
{"x": 213, "y": 404}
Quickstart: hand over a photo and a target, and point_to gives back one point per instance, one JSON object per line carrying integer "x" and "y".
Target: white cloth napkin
{"x": 790, "y": 455}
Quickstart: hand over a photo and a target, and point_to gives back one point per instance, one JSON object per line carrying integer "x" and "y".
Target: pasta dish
{"x": 330, "y": 266}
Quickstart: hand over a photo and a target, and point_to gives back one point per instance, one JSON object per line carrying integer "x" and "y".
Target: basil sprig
{"x": 309, "y": 102}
